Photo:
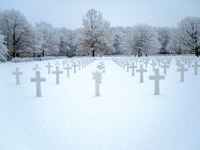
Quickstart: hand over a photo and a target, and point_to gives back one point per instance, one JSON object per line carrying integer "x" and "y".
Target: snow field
{"x": 127, "y": 115}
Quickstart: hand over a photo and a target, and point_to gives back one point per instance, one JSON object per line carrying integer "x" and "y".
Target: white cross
{"x": 133, "y": 68}
{"x": 49, "y": 68}
{"x": 103, "y": 67}
{"x": 156, "y": 78}
{"x": 82, "y": 63}
{"x": 57, "y": 64}
{"x": 68, "y": 70}
{"x": 79, "y": 65}
{"x": 74, "y": 66}
{"x": 99, "y": 67}
{"x": 165, "y": 66}
{"x": 178, "y": 63}
{"x": 136, "y": 61}
{"x": 159, "y": 61}
{"x": 64, "y": 62}
{"x": 85, "y": 63}
{"x": 182, "y": 70}
{"x": 189, "y": 63}
{"x": 146, "y": 62}
{"x": 17, "y": 73}
{"x": 153, "y": 64}
{"x": 196, "y": 67}
{"x": 140, "y": 61}
{"x": 127, "y": 66}
{"x": 141, "y": 71}
{"x": 121, "y": 63}
{"x": 185, "y": 60}
{"x": 169, "y": 62}
{"x": 124, "y": 65}
{"x": 57, "y": 73}
{"x": 97, "y": 76}
{"x": 36, "y": 67}
{"x": 117, "y": 61}
{"x": 38, "y": 81}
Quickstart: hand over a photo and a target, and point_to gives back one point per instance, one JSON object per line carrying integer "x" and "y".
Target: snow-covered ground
{"x": 127, "y": 115}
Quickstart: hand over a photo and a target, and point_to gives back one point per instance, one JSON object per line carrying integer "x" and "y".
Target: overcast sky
{"x": 69, "y": 13}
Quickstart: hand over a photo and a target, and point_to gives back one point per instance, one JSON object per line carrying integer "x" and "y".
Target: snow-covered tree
{"x": 67, "y": 44}
{"x": 47, "y": 39}
{"x": 17, "y": 32}
{"x": 141, "y": 39}
{"x": 189, "y": 34}
{"x": 3, "y": 49}
{"x": 164, "y": 37}
{"x": 96, "y": 37}
{"x": 118, "y": 36}
{"x": 175, "y": 44}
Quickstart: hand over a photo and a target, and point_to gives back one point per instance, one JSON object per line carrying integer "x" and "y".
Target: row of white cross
{"x": 38, "y": 79}
{"x": 165, "y": 64}
{"x": 125, "y": 63}
{"x": 67, "y": 67}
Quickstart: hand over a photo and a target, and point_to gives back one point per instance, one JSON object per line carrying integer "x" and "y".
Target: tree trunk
{"x": 8, "y": 47}
{"x": 42, "y": 53}
{"x": 43, "y": 49}
{"x": 179, "y": 49}
{"x": 197, "y": 51}
{"x": 92, "y": 53}
{"x": 138, "y": 53}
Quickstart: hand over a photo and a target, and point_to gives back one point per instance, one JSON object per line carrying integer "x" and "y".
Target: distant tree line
{"x": 18, "y": 38}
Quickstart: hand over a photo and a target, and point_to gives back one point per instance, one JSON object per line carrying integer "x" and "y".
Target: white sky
{"x": 69, "y": 13}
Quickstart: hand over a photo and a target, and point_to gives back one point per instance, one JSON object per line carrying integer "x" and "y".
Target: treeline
{"x": 19, "y": 38}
